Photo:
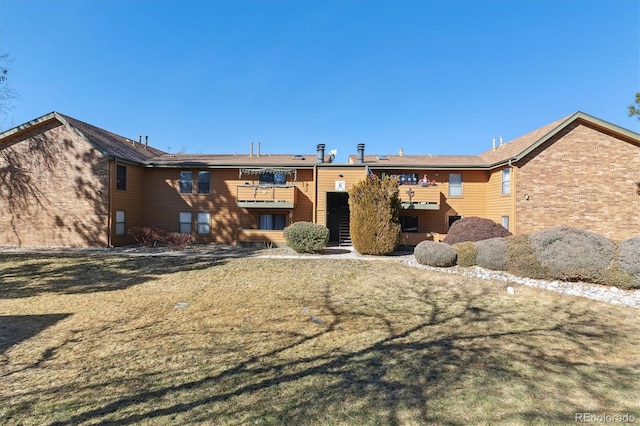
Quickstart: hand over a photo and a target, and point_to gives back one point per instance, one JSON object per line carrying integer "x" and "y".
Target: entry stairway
{"x": 344, "y": 236}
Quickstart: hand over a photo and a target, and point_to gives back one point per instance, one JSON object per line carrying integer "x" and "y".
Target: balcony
{"x": 266, "y": 196}
{"x": 420, "y": 197}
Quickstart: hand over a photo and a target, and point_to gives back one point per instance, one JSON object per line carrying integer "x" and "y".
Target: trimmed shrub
{"x": 374, "y": 206}
{"x": 306, "y": 237}
{"x": 625, "y": 272}
{"x": 521, "y": 258}
{"x": 474, "y": 229}
{"x": 432, "y": 253}
{"x": 492, "y": 253}
{"x": 572, "y": 254}
{"x": 629, "y": 257}
{"x": 466, "y": 253}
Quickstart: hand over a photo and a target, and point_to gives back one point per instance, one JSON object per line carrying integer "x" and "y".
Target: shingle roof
{"x": 110, "y": 144}
{"x": 124, "y": 149}
{"x": 432, "y": 161}
{"x": 285, "y": 160}
{"x": 512, "y": 148}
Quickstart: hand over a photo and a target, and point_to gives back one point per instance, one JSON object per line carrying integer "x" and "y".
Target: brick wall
{"x": 53, "y": 190}
{"x": 583, "y": 177}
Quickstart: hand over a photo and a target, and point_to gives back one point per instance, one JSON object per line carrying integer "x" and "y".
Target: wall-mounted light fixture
{"x": 526, "y": 197}
{"x": 340, "y": 175}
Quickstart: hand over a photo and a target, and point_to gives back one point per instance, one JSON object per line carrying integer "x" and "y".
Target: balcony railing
{"x": 266, "y": 196}
{"x": 420, "y": 197}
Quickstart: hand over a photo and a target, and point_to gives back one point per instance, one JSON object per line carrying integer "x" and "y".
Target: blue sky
{"x": 431, "y": 77}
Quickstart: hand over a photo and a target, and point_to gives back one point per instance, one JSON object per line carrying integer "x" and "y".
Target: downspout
{"x": 514, "y": 200}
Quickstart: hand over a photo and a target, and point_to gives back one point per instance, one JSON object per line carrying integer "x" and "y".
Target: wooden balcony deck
{"x": 420, "y": 197}
{"x": 266, "y": 196}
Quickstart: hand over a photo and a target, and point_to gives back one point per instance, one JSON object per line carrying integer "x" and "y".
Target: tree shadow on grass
{"x": 26, "y": 275}
{"x": 467, "y": 354}
{"x": 17, "y": 328}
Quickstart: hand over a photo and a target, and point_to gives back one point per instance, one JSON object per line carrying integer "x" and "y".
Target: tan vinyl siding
{"x": 326, "y": 181}
{"x": 498, "y": 204}
{"x": 473, "y": 201}
{"x": 131, "y": 201}
{"x": 164, "y": 202}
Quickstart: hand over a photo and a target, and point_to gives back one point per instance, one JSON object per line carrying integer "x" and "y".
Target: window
{"x": 204, "y": 219}
{"x": 453, "y": 219}
{"x": 504, "y": 221}
{"x": 185, "y": 223}
{"x": 273, "y": 178}
{"x": 121, "y": 177}
{"x": 455, "y": 185}
{"x": 121, "y": 227}
{"x": 506, "y": 181}
{"x": 204, "y": 182}
{"x": 409, "y": 223}
{"x": 272, "y": 221}
{"x": 186, "y": 182}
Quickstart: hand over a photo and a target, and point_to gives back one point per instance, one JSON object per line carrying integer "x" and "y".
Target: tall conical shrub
{"x": 374, "y": 206}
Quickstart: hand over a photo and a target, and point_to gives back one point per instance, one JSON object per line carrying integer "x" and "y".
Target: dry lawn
{"x": 158, "y": 340}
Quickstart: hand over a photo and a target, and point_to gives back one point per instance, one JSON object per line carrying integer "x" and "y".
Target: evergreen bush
{"x": 522, "y": 260}
{"x": 306, "y": 237}
{"x": 374, "y": 206}
{"x": 466, "y": 253}
{"x": 474, "y": 229}
{"x": 492, "y": 253}
{"x": 625, "y": 271}
{"x": 433, "y": 253}
{"x": 573, "y": 254}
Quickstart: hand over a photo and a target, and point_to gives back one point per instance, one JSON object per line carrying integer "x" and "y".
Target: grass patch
{"x": 98, "y": 340}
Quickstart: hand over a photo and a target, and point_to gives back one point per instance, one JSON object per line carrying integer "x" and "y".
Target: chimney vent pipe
{"x": 320, "y": 149}
{"x": 251, "y": 150}
{"x": 258, "y": 153}
{"x": 360, "y": 153}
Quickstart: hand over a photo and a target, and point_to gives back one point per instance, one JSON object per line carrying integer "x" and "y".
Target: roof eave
{"x": 28, "y": 125}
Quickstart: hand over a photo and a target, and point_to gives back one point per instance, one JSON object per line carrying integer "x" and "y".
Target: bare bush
{"x": 474, "y": 229}
{"x": 432, "y": 253}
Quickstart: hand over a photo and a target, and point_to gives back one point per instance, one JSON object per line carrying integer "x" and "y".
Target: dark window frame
{"x": 204, "y": 186}
{"x": 407, "y": 224}
{"x": 186, "y": 186}
{"x": 280, "y": 227}
{"x": 121, "y": 177}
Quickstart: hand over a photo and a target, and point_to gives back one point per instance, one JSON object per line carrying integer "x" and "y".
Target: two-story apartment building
{"x": 64, "y": 182}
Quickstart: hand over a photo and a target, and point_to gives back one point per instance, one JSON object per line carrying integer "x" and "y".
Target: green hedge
{"x": 306, "y": 237}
